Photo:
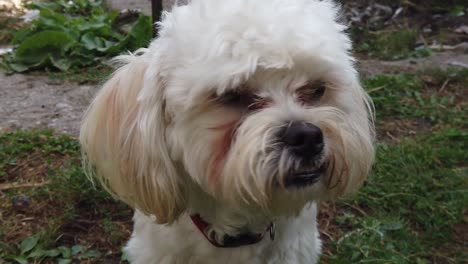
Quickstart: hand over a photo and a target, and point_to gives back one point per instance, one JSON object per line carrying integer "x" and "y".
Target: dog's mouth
{"x": 304, "y": 179}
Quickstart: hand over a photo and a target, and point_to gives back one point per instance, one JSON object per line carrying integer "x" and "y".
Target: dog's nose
{"x": 303, "y": 139}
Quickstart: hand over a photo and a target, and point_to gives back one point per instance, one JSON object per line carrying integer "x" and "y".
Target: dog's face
{"x": 256, "y": 103}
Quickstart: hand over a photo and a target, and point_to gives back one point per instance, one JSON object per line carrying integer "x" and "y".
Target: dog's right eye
{"x": 238, "y": 99}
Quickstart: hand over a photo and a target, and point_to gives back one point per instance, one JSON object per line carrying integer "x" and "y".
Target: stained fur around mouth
{"x": 293, "y": 171}
{"x": 304, "y": 178}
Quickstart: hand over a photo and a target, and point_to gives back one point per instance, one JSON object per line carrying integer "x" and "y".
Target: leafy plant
{"x": 31, "y": 249}
{"x": 74, "y": 34}
{"x": 66, "y": 198}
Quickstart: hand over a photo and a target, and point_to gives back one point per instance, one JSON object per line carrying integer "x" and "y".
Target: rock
{"x": 142, "y": 5}
{"x": 462, "y": 30}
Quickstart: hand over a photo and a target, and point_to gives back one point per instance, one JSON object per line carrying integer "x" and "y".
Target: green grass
{"x": 418, "y": 192}
{"x": 419, "y": 95}
{"x": 66, "y": 202}
{"x": 391, "y": 44}
{"x": 416, "y": 198}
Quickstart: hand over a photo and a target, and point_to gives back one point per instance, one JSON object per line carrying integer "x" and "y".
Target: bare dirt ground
{"x": 443, "y": 60}
{"x": 35, "y": 101}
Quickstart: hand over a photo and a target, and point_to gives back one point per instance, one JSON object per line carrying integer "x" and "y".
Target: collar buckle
{"x": 272, "y": 231}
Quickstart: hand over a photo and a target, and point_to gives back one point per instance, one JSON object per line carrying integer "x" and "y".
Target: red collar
{"x": 230, "y": 241}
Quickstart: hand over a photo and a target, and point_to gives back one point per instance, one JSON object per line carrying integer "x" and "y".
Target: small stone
{"x": 20, "y": 202}
{"x": 462, "y": 30}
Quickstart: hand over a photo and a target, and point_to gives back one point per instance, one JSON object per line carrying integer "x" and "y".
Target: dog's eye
{"x": 239, "y": 99}
{"x": 311, "y": 92}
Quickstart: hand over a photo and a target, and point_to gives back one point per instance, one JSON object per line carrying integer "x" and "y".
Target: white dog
{"x": 225, "y": 132}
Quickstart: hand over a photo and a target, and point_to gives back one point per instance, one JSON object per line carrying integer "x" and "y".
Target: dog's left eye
{"x": 311, "y": 92}
{"x": 238, "y": 99}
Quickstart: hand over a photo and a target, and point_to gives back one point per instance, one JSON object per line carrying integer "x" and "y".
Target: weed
{"x": 452, "y": 74}
{"x": 8, "y": 25}
{"x": 391, "y": 44}
{"x": 67, "y": 209}
{"x": 112, "y": 230}
{"x": 417, "y": 194}
{"x": 413, "y": 208}
{"x": 409, "y": 96}
{"x": 406, "y": 35}
{"x": 74, "y": 34}
{"x": 31, "y": 249}
{"x": 428, "y": 5}
{"x": 93, "y": 74}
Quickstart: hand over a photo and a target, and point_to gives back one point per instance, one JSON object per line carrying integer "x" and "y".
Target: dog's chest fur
{"x": 296, "y": 241}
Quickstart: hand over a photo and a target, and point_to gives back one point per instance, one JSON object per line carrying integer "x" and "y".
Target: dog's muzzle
{"x": 305, "y": 142}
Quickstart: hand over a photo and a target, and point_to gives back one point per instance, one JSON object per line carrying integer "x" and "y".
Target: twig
{"x": 376, "y": 89}
{"x": 392, "y": 137}
{"x": 27, "y": 219}
{"x": 407, "y": 2}
{"x": 362, "y": 212}
{"x": 330, "y": 237}
{"x": 444, "y": 85}
{"x": 7, "y": 186}
{"x": 84, "y": 221}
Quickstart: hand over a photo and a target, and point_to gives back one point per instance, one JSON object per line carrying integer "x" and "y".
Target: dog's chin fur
{"x": 160, "y": 136}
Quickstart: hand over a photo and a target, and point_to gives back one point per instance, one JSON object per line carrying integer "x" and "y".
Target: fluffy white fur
{"x": 158, "y": 137}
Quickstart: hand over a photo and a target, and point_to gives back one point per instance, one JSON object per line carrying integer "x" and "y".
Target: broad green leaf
{"x": 109, "y": 47}
{"x": 52, "y": 19}
{"x": 52, "y": 253}
{"x": 21, "y": 35}
{"x": 92, "y": 254}
{"x": 90, "y": 41}
{"x": 43, "y": 5}
{"x": 421, "y": 261}
{"x": 141, "y": 33}
{"x": 37, "y": 47}
{"x": 18, "y": 67}
{"x": 124, "y": 256}
{"x": 21, "y": 260}
{"x": 37, "y": 253}
{"x": 77, "y": 249}
{"x": 95, "y": 3}
{"x": 65, "y": 251}
{"x": 64, "y": 261}
{"x": 91, "y": 26}
{"x": 61, "y": 63}
{"x": 29, "y": 243}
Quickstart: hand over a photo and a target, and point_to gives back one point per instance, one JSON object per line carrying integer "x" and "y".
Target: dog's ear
{"x": 352, "y": 151}
{"x": 123, "y": 140}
